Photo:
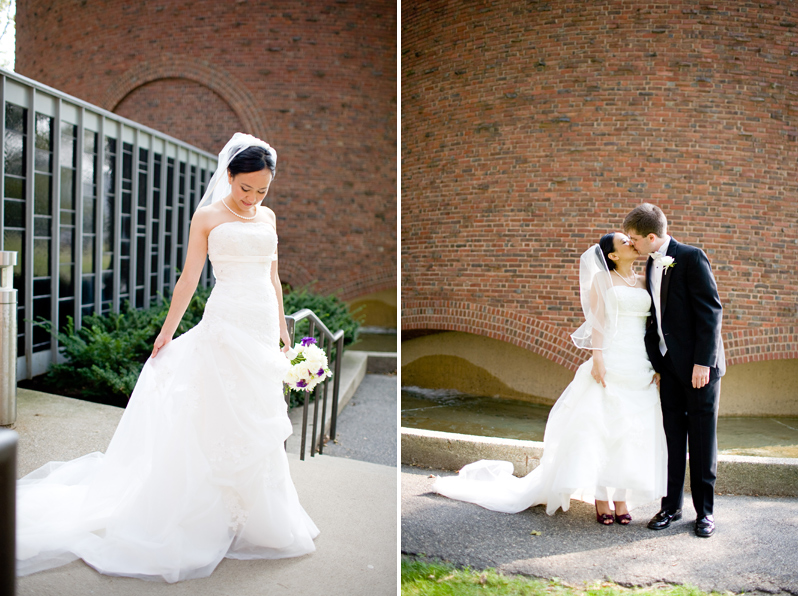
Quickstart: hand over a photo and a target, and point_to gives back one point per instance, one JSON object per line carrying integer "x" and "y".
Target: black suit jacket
{"x": 691, "y": 314}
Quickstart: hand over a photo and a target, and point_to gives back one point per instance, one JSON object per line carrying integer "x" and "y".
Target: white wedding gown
{"x": 196, "y": 470}
{"x": 600, "y": 443}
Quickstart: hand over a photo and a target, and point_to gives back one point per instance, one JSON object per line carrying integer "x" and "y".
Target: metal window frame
{"x": 63, "y": 107}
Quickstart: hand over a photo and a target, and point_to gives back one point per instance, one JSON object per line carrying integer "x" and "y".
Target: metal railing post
{"x": 8, "y": 510}
{"x": 8, "y": 339}
{"x": 328, "y": 338}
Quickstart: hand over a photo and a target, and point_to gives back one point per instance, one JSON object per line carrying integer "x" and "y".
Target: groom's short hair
{"x": 646, "y": 219}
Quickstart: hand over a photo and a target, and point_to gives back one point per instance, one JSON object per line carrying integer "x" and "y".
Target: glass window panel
{"x": 156, "y": 203}
{"x": 66, "y": 309}
{"x": 142, "y": 189}
{"x": 41, "y": 226}
{"x": 41, "y": 310}
{"x": 140, "y": 262}
{"x": 126, "y": 200}
{"x": 67, "y": 239}
{"x": 155, "y": 230}
{"x": 87, "y": 294}
{"x": 140, "y": 298}
{"x": 41, "y": 287}
{"x": 124, "y": 275}
{"x": 41, "y": 258}
{"x": 14, "y": 215}
{"x": 88, "y": 216}
{"x": 126, "y": 228}
{"x": 66, "y": 286}
{"x": 43, "y": 159}
{"x": 67, "y": 218}
{"x": 42, "y": 204}
{"x": 68, "y": 134}
{"x": 44, "y": 132}
{"x": 67, "y": 188}
{"x": 88, "y": 174}
{"x": 15, "y": 117}
{"x": 127, "y": 164}
{"x": 142, "y": 217}
{"x": 89, "y": 141}
{"x": 108, "y": 286}
{"x": 15, "y": 153}
{"x": 88, "y": 254}
{"x": 107, "y": 260}
{"x": 15, "y": 188}
{"x": 12, "y": 240}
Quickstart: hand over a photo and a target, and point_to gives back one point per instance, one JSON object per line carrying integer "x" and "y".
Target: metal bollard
{"x": 8, "y": 510}
{"x": 8, "y": 339}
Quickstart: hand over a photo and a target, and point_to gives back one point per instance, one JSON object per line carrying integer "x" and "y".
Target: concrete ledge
{"x": 737, "y": 474}
{"x": 451, "y": 451}
{"x": 381, "y": 363}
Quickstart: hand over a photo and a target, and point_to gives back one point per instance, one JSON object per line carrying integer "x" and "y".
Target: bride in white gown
{"x": 604, "y": 440}
{"x": 196, "y": 470}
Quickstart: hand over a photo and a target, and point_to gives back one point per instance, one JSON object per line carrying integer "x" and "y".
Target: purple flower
{"x": 320, "y": 373}
{"x": 306, "y": 341}
{"x": 301, "y": 383}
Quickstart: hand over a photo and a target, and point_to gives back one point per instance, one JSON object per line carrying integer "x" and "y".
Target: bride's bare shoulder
{"x": 206, "y": 218}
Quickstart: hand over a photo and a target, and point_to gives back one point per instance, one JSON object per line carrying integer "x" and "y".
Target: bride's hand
{"x": 160, "y": 342}
{"x": 656, "y": 378}
{"x": 599, "y": 371}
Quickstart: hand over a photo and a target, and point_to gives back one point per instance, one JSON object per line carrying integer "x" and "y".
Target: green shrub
{"x": 105, "y": 356}
{"x": 332, "y": 311}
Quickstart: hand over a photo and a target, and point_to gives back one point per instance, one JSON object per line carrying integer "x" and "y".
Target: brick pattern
{"x": 317, "y": 80}
{"x": 531, "y": 128}
{"x": 175, "y": 104}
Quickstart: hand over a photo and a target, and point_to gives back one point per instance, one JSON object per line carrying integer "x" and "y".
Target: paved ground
{"x": 755, "y": 549}
{"x": 352, "y": 502}
{"x": 366, "y": 429}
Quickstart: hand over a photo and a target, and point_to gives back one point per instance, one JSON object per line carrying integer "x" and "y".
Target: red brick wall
{"x": 530, "y": 128}
{"x": 315, "y": 79}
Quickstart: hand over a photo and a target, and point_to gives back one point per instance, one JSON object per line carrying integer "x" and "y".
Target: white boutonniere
{"x": 664, "y": 260}
{"x": 667, "y": 263}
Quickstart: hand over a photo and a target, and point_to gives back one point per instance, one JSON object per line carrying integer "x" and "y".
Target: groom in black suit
{"x": 684, "y": 345}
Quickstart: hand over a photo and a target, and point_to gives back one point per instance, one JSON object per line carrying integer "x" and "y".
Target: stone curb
{"x": 737, "y": 474}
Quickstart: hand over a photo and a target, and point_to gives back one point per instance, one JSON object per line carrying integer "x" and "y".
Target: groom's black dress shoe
{"x": 705, "y": 526}
{"x": 664, "y": 518}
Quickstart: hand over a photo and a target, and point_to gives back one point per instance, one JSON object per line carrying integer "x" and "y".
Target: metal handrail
{"x": 328, "y": 338}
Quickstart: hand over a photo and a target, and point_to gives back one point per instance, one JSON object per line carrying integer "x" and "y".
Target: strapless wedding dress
{"x": 196, "y": 470}
{"x": 600, "y": 443}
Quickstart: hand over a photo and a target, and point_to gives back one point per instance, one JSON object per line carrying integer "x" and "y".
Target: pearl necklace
{"x": 615, "y": 271}
{"x": 237, "y": 215}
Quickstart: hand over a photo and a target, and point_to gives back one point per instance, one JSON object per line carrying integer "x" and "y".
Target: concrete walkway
{"x": 754, "y": 550}
{"x": 352, "y": 502}
{"x": 366, "y": 429}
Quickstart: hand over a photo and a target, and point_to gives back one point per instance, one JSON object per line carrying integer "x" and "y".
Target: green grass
{"x": 424, "y": 578}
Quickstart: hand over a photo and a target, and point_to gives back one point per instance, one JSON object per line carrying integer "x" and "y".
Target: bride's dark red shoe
{"x": 605, "y": 519}
{"x": 624, "y": 519}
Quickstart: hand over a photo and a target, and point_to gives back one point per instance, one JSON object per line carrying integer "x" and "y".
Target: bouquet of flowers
{"x": 308, "y": 366}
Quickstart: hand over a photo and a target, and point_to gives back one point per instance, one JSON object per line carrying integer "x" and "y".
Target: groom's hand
{"x": 700, "y": 376}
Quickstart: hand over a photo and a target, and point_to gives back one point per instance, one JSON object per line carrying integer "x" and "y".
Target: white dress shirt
{"x": 656, "y": 285}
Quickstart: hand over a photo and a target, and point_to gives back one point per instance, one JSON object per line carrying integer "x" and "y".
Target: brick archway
{"x": 547, "y": 340}
{"x": 233, "y": 91}
{"x": 553, "y": 342}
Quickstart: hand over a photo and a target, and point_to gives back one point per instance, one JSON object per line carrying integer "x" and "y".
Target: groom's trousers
{"x": 690, "y": 418}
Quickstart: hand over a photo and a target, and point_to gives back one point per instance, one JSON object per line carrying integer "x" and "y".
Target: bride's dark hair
{"x": 607, "y": 245}
{"x": 252, "y": 159}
